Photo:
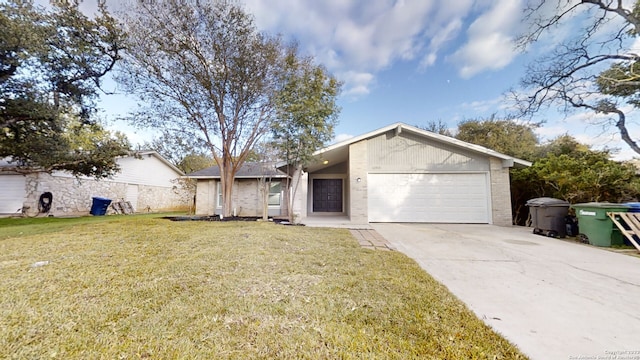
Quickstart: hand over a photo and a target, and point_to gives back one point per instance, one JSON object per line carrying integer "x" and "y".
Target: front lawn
{"x": 133, "y": 287}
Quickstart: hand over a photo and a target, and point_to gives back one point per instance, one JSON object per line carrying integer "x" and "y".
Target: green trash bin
{"x": 595, "y": 224}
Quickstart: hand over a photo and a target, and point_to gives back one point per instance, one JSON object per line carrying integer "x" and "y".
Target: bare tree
{"x": 438, "y": 127}
{"x": 205, "y": 73}
{"x": 593, "y": 69}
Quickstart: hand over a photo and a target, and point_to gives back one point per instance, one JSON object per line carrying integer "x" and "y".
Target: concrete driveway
{"x": 552, "y": 298}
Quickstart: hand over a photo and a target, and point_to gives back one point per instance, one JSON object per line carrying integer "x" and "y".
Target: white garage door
{"x": 439, "y": 198}
{"x": 12, "y": 190}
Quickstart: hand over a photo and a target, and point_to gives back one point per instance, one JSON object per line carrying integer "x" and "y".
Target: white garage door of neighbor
{"x": 438, "y": 198}
{"x": 12, "y": 194}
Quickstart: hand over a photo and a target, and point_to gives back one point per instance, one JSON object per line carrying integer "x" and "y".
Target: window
{"x": 219, "y": 203}
{"x": 275, "y": 193}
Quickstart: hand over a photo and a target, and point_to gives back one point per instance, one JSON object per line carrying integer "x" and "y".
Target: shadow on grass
{"x": 17, "y": 227}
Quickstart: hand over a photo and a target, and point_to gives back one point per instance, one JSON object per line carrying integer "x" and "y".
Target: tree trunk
{"x": 226, "y": 181}
{"x": 297, "y": 174}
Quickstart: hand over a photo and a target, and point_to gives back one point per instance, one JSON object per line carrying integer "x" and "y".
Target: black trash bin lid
{"x": 546, "y": 202}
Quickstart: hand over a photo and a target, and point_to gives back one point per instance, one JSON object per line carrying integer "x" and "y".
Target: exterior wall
{"x": 149, "y": 170}
{"x": 406, "y": 152}
{"x": 206, "y": 194}
{"x": 341, "y": 168}
{"x": 358, "y": 163}
{"x": 299, "y": 194}
{"x": 72, "y": 196}
{"x": 500, "y": 194}
{"x": 246, "y": 198}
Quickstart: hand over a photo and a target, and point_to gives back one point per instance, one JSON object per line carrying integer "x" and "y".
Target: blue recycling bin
{"x": 634, "y": 207}
{"x": 99, "y": 206}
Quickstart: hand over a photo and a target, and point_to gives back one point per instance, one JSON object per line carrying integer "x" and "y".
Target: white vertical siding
{"x": 149, "y": 170}
{"x": 406, "y": 152}
{"x": 132, "y": 196}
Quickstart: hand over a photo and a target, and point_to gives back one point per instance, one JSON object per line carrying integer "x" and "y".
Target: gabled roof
{"x": 251, "y": 170}
{"x": 332, "y": 154}
{"x": 161, "y": 158}
{"x": 5, "y": 163}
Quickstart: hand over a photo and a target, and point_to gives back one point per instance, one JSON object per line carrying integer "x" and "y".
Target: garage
{"x": 12, "y": 194}
{"x": 429, "y": 197}
{"x": 400, "y": 173}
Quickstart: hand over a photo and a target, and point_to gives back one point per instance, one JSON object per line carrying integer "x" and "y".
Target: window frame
{"x": 279, "y": 193}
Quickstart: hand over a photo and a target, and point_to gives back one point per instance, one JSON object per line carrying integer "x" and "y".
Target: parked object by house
{"x": 253, "y": 181}
{"x": 398, "y": 173}
{"x": 146, "y": 180}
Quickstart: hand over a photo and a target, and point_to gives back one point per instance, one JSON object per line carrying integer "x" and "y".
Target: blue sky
{"x": 413, "y": 61}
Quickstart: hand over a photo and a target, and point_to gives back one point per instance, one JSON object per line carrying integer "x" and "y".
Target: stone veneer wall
{"x": 72, "y": 196}
{"x": 157, "y": 198}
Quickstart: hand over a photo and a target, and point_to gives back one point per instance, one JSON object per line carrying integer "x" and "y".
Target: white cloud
{"x": 490, "y": 43}
{"x": 358, "y": 83}
{"x": 595, "y": 130}
{"x": 366, "y": 37}
{"x": 635, "y": 47}
{"x": 483, "y": 105}
{"x": 428, "y": 60}
{"x": 359, "y": 36}
{"x": 546, "y": 133}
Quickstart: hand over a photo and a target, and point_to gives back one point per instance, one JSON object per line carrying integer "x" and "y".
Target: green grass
{"x": 137, "y": 287}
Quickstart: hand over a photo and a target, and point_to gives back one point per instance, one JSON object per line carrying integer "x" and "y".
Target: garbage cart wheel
{"x": 552, "y": 233}
{"x": 583, "y": 238}
{"x": 537, "y": 231}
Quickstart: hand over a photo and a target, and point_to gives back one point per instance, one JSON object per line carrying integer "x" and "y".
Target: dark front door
{"x": 327, "y": 195}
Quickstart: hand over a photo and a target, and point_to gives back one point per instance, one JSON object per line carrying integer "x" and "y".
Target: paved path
{"x": 554, "y": 299}
{"x": 371, "y": 239}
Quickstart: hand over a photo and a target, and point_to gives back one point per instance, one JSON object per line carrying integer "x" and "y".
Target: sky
{"x": 410, "y": 61}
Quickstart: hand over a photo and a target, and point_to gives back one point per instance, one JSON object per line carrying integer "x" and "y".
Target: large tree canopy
{"x": 204, "y": 72}
{"x": 51, "y": 66}
{"x": 562, "y": 168}
{"x": 503, "y": 135}
{"x": 307, "y": 114}
{"x": 593, "y": 67}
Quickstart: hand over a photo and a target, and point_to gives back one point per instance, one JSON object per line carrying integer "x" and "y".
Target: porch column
{"x": 358, "y": 164}
{"x": 300, "y": 196}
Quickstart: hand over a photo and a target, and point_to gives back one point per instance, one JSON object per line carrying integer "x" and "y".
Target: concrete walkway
{"x": 554, "y": 299}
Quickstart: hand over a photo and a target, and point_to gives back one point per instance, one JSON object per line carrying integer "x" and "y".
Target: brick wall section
{"x": 500, "y": 194}
{"x": 206, "y": 194}
{"x": 358, "y": 168}
{"x": 246, "y": 198}
{"x": 73, "y": 196}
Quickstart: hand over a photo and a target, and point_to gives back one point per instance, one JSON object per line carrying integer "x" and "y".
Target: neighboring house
{"x": 398, "y": 173}
{"x": 251, "y": 182}
{"x": 148, "y": 181}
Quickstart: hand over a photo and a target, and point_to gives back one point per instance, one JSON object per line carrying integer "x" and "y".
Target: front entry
{"x": 327, "y": 195}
